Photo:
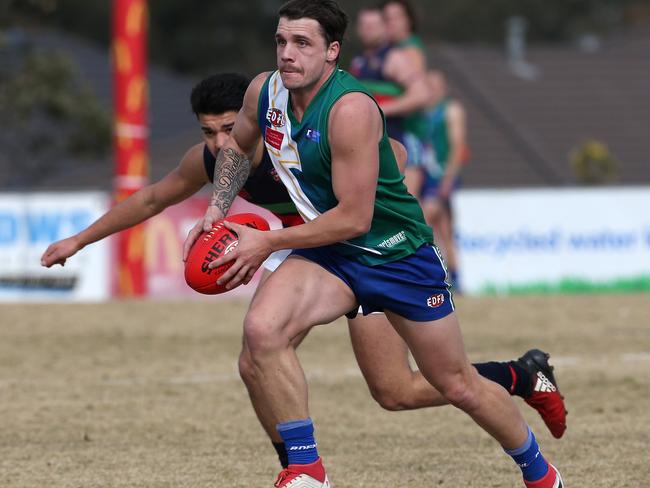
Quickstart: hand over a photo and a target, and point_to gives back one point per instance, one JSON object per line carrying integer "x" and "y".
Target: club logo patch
{"x": 273, "y": 138}
{"x": 275, "y": 117}
{"x": 313, "y": 135}
{"x": 434, "y": 301}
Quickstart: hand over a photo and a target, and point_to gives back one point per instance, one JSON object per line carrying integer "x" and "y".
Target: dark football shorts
{"x": 414, "y": 287}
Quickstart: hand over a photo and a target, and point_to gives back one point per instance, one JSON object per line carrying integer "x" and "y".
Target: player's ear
{"x": 333, "y": 51}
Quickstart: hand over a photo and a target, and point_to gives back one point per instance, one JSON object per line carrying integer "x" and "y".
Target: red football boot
{"x": 303, "y": 476}
{"x": 551, "y": 479}
{"x": 543, "y": 394}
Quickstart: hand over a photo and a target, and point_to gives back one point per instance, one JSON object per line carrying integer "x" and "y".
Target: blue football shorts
{"x": 415, "y": 150}
{"x": 430, "y": 188}
{"x": 414, "y": 287}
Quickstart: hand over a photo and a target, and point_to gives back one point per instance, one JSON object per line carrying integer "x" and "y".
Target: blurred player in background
{"x": 446, "y": 142}
{"x": 401, "y": 25}
{"x": 365, "y": 243}
{"x": 394, "y": 80}
{"x": 382, "y": 355}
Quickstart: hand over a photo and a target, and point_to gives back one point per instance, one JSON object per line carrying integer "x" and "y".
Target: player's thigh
{"x": 445, "y": 224}
{"x": 433, "y": 210}
{"x": 381, "y": 353}
{"x": 272, "y": 263}
{"x": 437, "y": 346}
{"x": 297, "y": 296}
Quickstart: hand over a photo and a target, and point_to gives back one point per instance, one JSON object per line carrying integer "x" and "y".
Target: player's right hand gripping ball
{"x": 211, "y": 245}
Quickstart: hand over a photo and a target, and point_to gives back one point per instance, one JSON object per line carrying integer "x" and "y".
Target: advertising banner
{"x": 28, "y": 224}
{"x": 554, "y": 240}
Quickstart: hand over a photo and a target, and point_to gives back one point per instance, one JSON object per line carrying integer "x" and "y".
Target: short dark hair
{"x": 219, "y": 93}
{"x": 332, "y": 19}
{"x": 409, "y": 9}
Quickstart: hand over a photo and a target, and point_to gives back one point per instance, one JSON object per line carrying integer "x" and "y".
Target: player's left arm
{"x": 457, "y": 147}
{"x": 355, "y": 129}
{"x": 404, "y": 67}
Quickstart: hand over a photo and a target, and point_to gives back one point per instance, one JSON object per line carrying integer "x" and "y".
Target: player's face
{"x": 216, "y": 129}
{"x": 371, "y": 28}
{"x": 303, "y": 55}
{"x": 397, "y": 22}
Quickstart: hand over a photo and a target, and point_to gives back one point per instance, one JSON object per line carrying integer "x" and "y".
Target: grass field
{"x": 146, "y": 394}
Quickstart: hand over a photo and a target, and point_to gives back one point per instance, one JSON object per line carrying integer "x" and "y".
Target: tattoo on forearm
{"x": 230, "y": 173}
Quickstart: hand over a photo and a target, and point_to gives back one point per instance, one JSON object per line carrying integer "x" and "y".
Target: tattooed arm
{"x": 233, "y": 162}
{"x": 230, "y": 173}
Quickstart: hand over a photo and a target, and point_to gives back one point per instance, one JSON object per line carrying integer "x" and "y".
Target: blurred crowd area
{"x": 552, "y": 91}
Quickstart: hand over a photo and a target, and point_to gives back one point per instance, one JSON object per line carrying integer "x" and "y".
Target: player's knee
{"x": 459, "y": 391}
{"x": 246, "y": 367}
{"x": 391, "y": 395}
{"x": 389, "y": 399}
{"x": 433, "y": 214}
{"x": 261, "y": 335}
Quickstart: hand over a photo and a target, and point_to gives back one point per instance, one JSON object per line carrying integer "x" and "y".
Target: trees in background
{"x": 47, "y": 118}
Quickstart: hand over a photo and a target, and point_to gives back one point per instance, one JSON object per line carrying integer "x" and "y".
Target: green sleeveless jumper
{"x": 301, "y": 154}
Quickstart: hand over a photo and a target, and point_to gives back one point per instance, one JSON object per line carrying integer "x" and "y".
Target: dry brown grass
{"x": 145, "y": 394}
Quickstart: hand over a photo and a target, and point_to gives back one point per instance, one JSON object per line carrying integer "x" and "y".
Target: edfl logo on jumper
{"x": 275, "y": 117}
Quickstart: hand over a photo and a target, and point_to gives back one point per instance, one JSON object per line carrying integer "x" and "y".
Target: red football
{"x": 211, "y": 245}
